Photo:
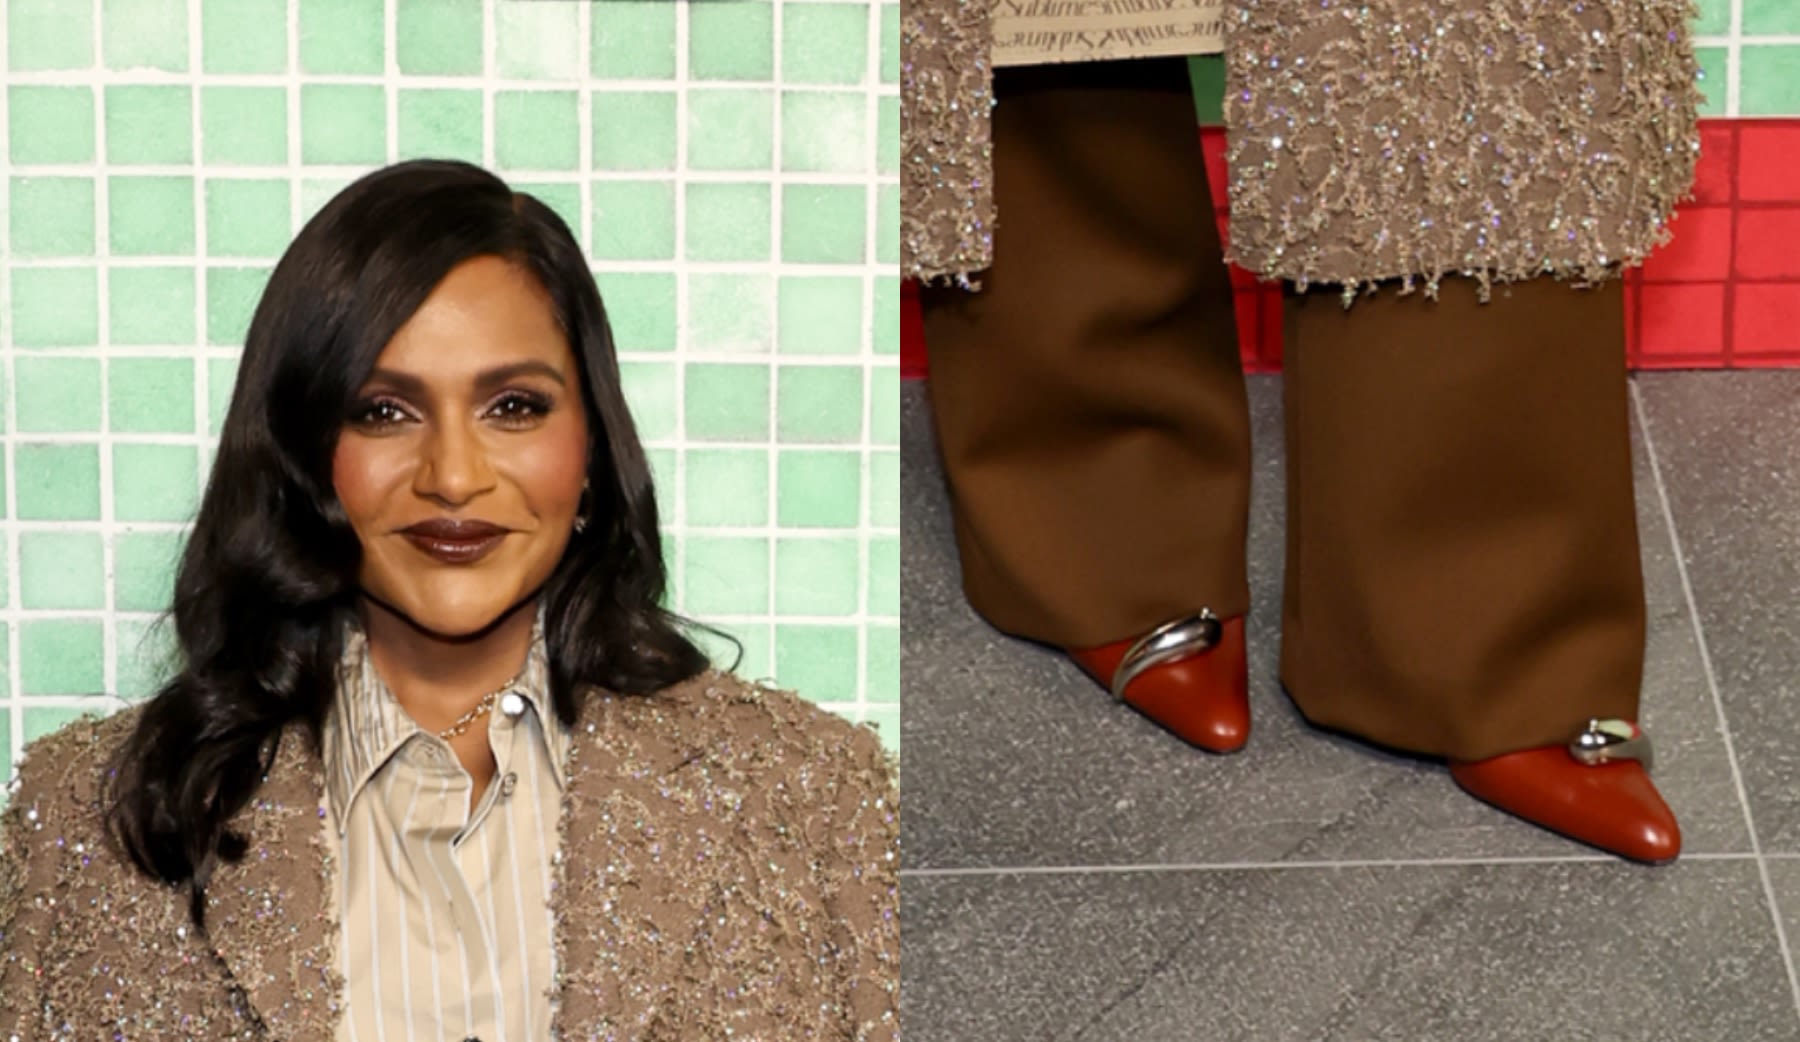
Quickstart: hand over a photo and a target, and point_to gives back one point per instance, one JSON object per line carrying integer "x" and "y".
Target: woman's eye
{"x": 377, "y": 414}
{"x": 519, "y": 409}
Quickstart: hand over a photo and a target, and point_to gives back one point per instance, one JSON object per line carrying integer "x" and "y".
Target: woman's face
{"x": 461, "y": 467}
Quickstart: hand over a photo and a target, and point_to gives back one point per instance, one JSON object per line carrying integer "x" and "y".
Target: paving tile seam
{"x": 1712, "y": 684}
{"x": 1265, "y": 866}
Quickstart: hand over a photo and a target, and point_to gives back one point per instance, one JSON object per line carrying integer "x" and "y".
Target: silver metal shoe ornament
{"x": 1170, "y": 642}
{"x": 1610, "y": 741}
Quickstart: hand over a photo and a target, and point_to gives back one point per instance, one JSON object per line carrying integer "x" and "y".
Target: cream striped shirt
{"x": 446, "y": 925}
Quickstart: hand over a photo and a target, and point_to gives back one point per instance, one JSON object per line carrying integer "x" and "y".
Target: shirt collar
{"x": 366, "y": 724}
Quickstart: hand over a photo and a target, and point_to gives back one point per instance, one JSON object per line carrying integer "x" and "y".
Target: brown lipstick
{"x": 454, "y": 542}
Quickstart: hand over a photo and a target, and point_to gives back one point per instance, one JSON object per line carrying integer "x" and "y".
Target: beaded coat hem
{"x": 1369, "y": 141}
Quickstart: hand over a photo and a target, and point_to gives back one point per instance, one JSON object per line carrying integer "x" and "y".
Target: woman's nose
{"x": 454, "y": 466}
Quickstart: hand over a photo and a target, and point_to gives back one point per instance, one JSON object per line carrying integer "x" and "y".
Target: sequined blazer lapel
{"x": 612, "y": 892}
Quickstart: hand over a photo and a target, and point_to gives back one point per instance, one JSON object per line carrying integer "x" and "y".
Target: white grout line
{"x": 1753, "y": 39}
{"x": 109, "y": 622}
{"x": 202, "y": 334}
{"x": 777, "y": 169}
{"x": 269, "y": 172}
{"x": 625, "y": 266}
{"x": 584, "y": 112}
{"x": 719, "y": 617}
{"x": 156, "y": 77}
{"x": 390, "y": 78}
{"x": 1734, "y": 60}
{"x": 488, "y": 85}
{"x": 755, "y": 531}
{"x": 682, "y": 356}
{"x": 414, "y": 81}
{"x": 865, "y": 466}
{"x": 1261, "y": 866}
{"x": 1712, "y": 681}
{"x": 15, "y": 705}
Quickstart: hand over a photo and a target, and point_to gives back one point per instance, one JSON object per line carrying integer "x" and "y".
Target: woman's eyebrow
{"x": 485, "y": 381}
{"x": 492, "y": 378}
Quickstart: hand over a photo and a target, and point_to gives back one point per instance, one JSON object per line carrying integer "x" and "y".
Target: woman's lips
{"x": 454, "y": 542}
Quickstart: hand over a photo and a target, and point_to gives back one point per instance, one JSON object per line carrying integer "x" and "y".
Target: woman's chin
{"x": 449, "y": 618}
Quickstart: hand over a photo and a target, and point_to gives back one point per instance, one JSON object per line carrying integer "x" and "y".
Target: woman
{"x": 437, "y": 764}
{"x": 1462, "y": 576}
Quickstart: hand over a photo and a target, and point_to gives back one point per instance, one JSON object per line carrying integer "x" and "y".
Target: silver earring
{"x": 581, "y": 511}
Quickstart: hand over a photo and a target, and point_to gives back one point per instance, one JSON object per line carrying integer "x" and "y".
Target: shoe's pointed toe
{"x": 1203, "y": 700}
{"x": 1192, "y": 700}
{"x": 1613, "y": 806}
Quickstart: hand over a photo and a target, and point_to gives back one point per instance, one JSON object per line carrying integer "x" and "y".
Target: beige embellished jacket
{"x": 728, "y": 869}
{"x": 1368, "y": 139}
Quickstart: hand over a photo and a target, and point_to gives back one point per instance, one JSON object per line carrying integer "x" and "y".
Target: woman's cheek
{"x": 550, "y": 474}
{"x": 361, "y": 470}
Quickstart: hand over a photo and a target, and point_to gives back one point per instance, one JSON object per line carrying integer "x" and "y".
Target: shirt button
{"x": 508, "y": 783}
{"x": 512, "y": 704}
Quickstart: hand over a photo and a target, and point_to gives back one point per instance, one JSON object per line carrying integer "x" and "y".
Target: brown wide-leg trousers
{"x": 1462, "y": 573}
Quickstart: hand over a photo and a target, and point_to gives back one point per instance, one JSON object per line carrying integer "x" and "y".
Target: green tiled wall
{"x": 1750, "y": 57}
{"x": 726, "y": 164}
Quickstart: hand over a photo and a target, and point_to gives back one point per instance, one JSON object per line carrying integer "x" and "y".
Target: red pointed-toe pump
{"x": 1191, "y": 676}
{"x": 1597, "y": 790}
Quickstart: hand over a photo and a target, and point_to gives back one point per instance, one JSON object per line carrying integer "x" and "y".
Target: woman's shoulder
{"x": 749, "y": 725}
{"x": 69, "y": 765}
{"x": 55, "y": 805}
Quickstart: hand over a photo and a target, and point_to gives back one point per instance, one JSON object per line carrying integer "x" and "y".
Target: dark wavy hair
{"x": 268, "y": 577}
